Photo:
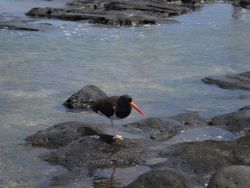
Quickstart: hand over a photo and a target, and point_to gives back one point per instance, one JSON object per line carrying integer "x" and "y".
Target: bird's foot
{"x": 118, "y": 137}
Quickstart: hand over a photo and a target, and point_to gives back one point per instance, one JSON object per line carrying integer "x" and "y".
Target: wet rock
{"x": 231, "y": 81}
{"x": 190, "y": 119}
{"x": 236, "y": 122}
{"x": 119, "y": 12}
{"x": 159, "y": 179}
{"x": 151, "y": 6}
{"x": 192, "y": 3}
{"x": 199, "y": 160}
{"x": 93, "y": 152}
{"x": 231, "y": 177}
{"x": 241, "y": 3}
{"x": 79, "y": 152}
{"x": 156, "y": 128}
{"x": 244, "y": 3}
{"x": 84, "y": 98}
{"x": 61, "y": 134}
{"x": 24, "y": 26}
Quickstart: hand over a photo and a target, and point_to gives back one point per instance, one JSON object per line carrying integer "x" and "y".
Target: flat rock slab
{"x": 24, "y": 25}
{"x": 231, "y": 177}
{"x": 231, "y": 81}
{"x": 117, "y": 12}
{"x": 84, "y": 98}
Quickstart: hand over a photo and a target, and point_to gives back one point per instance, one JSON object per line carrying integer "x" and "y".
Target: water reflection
{"x": 239, "y": 14}
{"x": 118, "y": 177}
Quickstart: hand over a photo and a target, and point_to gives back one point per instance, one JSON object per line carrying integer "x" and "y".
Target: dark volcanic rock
{"x": 61, "y": 134}
{"x": 93, "y": 152}
{"x": 191, "y": 119}
{"x": 79, "y": 152}
{"x": 159, "y": 179}
{"x": 24, "y": 26}
{"x": 231, "y": 81}
{"x": 236, "y": 122}
{"x": 84, "y": 98}
{"x": 199, "y": 160}
{"x": 231, "y": 177}
{"x": 118, "y": 12}
{"x": 244, "y": 3}
{"x": 192, "y": 3}
{"x": 156, "y": 128}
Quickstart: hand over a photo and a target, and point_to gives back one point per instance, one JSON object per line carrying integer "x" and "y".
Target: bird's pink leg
{"x": 116, "y": 136}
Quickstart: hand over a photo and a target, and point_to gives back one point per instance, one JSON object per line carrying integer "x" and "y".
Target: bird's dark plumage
{"x": 114, "y": 106}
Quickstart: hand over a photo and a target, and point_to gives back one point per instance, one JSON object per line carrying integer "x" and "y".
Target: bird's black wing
{"x": 105, "y": 106}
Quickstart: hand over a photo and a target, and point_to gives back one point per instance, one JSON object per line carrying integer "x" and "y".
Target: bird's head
{"x": 128, "y": 101}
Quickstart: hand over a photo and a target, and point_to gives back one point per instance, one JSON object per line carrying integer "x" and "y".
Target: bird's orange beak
{"x": 132, "y": 104}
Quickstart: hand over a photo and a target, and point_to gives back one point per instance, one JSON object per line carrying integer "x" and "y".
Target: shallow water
{"x": 201, "y": 134}
{"x": 160, "y": 66}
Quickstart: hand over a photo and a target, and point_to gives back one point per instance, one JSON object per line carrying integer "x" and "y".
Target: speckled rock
{"x": 230, "y": 81}
{"x": 231, "y": 177}
{"x": 84, "y": 98}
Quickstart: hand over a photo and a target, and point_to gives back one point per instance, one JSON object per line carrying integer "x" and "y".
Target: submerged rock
{"x": 231, "y": 177}
{"x": 231, "y": 81}
{"x": 159, "y": 179}
{"x": 84, "y": 98}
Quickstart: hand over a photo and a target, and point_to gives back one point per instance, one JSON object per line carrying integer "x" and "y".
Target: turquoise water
{"x": 160, "y": 66}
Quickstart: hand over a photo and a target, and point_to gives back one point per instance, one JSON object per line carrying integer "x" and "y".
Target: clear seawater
{"x": 160, "y": 66}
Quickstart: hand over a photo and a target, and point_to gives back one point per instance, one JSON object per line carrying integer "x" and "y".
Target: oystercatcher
{"x": 115, "y": 107}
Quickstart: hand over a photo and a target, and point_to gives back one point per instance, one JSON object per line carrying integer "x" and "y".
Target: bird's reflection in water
{"x": 117, "y": 177}
{"x": 107, "y": 182}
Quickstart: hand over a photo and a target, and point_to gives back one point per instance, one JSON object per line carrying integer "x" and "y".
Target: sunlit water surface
{"x": 160, "y": 66}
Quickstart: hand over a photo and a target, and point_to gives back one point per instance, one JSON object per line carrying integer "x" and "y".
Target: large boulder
{"x": 230, "y": 81}
{"x": 84, "y": 98}
{"x": 231, "y": 177}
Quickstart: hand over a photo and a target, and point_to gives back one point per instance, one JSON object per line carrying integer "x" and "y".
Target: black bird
{"x": 115, "y": 108}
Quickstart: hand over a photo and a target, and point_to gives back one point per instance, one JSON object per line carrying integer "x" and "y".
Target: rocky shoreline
{"x": 106, "y": 12}
{"x": 214, "y": 162}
